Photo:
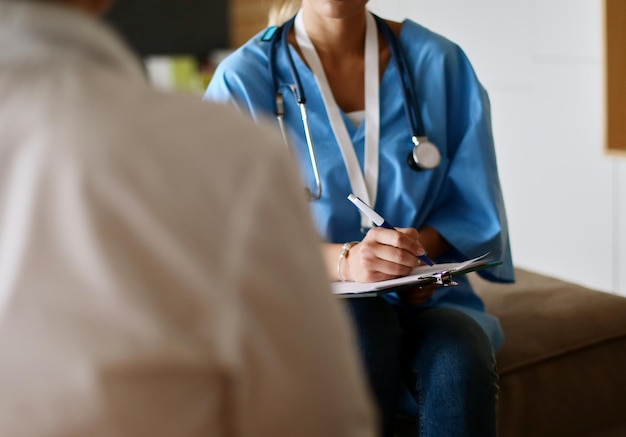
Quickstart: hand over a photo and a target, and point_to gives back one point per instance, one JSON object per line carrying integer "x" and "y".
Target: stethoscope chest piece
{"x": 425, "y": 155}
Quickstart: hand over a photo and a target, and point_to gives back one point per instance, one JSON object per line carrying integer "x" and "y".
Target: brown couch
{"x": 563, "y": 366}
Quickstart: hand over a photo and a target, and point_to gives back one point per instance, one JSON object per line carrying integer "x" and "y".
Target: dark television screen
{"x": 172, "y": 27}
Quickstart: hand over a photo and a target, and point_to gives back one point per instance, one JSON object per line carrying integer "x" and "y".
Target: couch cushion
{"x": 563, "y": 365}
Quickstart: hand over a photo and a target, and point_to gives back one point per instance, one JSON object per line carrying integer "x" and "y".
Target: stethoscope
{"x": 424, "y": 154}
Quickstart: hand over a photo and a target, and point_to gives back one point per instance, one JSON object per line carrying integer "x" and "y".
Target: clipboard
{"x": 439, "y": 274}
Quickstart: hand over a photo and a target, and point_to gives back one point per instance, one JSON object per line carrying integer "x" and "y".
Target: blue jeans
{"x": 436, "y": 364}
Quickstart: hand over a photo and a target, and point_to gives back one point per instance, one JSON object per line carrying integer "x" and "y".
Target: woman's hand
{"x": 384, "y": 254}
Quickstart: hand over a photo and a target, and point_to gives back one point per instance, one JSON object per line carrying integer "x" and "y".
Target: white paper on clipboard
{"x": 441, "y": 274}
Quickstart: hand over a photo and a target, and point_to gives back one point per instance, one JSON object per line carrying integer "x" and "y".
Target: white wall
{"x": 542, "y": 64}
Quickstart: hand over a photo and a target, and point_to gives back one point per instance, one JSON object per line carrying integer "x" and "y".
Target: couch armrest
{"x": 563, "y": 365}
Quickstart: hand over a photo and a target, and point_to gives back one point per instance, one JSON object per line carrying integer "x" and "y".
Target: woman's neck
{"x": 336, "y": 36}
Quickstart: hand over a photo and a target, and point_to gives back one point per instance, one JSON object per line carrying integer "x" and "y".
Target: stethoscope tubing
{"x": 298, "y": 91}
{"x": 412, "y": 115}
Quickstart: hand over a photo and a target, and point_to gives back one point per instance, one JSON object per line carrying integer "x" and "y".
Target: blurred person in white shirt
{"x": 155, "y": 280}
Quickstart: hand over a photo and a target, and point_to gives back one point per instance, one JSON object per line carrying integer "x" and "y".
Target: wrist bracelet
{"x": 343, "y": 254}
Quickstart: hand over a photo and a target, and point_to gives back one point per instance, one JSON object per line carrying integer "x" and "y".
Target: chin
{"x": 341, "y": 9}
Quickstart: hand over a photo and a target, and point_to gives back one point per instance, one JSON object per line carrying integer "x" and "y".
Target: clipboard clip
{"x": 445, "y": 278}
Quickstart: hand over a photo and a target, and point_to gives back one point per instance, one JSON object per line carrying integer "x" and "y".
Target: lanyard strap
{"x": 364, "y": 184}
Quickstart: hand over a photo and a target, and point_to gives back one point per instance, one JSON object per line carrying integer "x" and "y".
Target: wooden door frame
{"x": 615, "y": 75}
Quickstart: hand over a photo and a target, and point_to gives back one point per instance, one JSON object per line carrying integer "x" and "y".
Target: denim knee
{"x": 450, "y": 339}
{"x": 450, "y": 371}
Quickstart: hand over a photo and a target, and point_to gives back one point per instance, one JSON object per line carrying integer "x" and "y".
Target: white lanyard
{"x": 364, "y": 184}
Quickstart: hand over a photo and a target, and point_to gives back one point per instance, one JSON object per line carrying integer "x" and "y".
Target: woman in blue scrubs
{"x": 428, "y": 352}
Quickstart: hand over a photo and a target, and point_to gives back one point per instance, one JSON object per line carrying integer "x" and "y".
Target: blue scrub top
{"x": 461, "y": 198}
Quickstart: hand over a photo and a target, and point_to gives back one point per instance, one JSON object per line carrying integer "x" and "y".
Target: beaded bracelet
{"x": 343, "y": 254}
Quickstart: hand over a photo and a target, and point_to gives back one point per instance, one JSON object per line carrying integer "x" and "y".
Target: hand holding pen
{"x": 379, "y": 221}
{"x": 383, "y": 254}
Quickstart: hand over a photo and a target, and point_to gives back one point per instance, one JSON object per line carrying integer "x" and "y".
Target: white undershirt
{"x": 356, "y": 117}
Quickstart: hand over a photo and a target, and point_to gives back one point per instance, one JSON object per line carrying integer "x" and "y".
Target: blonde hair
{"x": 281, "y": 11}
